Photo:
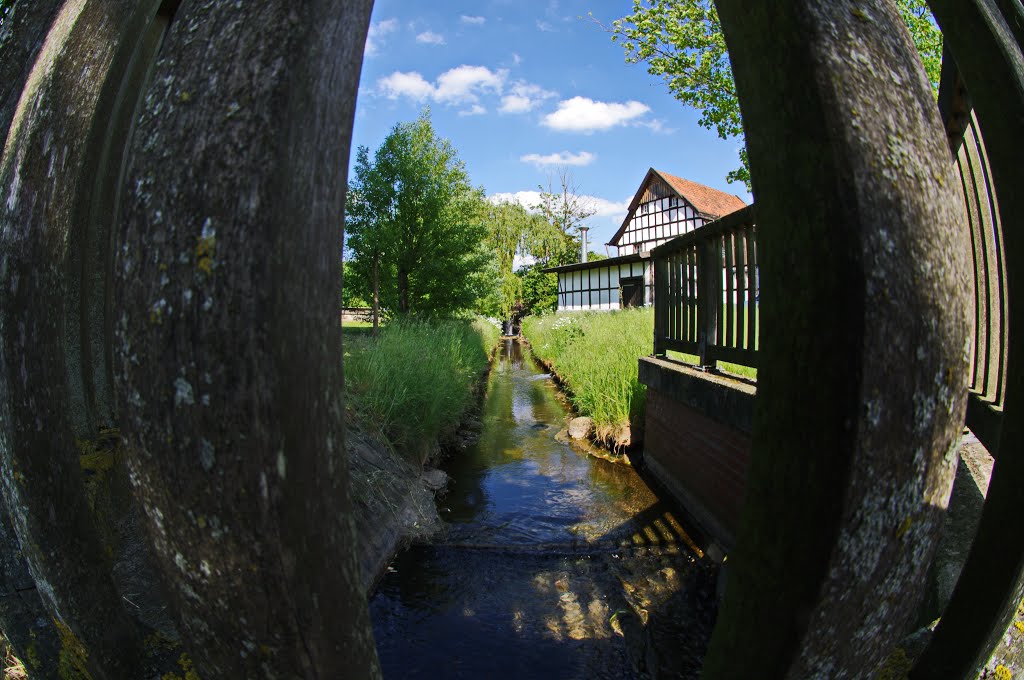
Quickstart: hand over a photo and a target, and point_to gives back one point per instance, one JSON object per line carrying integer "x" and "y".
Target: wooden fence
{"x": 715, "y": 316}
{"x": 706, "y": 292}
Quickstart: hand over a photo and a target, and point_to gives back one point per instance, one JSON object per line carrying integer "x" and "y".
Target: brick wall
{"x": 697, "y": 443}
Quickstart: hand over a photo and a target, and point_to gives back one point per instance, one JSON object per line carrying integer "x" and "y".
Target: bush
{"x": 595, "y": 354}
{"x": 417, "y": 378}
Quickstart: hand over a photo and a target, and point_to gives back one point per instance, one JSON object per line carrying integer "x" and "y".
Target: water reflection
{"x": 549, "y": 555}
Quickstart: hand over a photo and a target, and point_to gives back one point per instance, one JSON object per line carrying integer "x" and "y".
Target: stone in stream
{"x": 434, "y": 479}
{"x": 580, "y": 428}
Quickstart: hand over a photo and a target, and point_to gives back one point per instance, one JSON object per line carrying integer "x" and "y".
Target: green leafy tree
{"x": 351, "y": 289}
{"x": 681, "y": 42}
{"x": 415, "y": 224}
{"x": 510, "y": 229}
{"x": 540, "y": 290}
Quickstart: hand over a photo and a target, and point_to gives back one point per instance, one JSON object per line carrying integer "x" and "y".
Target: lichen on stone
{"x": 1003, "y": 673}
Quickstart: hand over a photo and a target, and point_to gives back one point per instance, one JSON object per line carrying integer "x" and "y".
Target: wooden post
{"x": 376, "y": 294}
{"x": 661, "y": 303}
{"x": 24, "y": 618}
{"x": 64, "y": 140}
{"x": 862, "y": 362}
{"x": 229, "y": 348}
{"x": 709, "y": 298}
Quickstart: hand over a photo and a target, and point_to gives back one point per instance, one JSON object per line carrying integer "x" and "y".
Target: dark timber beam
{"x": 50, "y": 161}
{"x": 984, "y": 37}
{"x": 23, "y": 616}
{"x": 228, "y": 273}
{"x": 863, "y": 355}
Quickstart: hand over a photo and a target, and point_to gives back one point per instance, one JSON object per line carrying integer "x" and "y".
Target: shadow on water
{"x": 555, "y": 564}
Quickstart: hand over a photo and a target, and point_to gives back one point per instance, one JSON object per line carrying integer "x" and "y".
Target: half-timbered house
{"x": 665, "y": 206}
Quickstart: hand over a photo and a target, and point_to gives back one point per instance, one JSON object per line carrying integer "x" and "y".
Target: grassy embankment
{"x": 595, "y": 355}
{"x": 417, "y": 378}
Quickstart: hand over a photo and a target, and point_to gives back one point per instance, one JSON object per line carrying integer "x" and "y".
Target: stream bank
{"x": 617, "y": 445}
{"x": 393, "y": 501}
{"x": 552, "y": 563}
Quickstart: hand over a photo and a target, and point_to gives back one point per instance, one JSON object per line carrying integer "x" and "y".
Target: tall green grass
{"x": 595, "y": 354}
{"x": 417, "y": 378}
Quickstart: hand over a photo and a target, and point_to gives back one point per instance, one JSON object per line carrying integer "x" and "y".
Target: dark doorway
{"x": 631, "y": 292}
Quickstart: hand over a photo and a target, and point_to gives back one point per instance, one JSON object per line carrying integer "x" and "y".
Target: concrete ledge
{"x": 726, "y": 400}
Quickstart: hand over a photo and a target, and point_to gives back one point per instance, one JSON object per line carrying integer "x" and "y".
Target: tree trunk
{"x": 376, "y": 294}
{"x": 403, "y": 291}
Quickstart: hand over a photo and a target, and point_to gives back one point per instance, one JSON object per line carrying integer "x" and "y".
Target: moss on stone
{"x": 206, "y": 247}
{"x": 32, "y": 654}
{"x": 72, "y": 661}
{"x": 187, "y": 668}
{"x": 896, "y": 667}
{"x": 157, "y": 643}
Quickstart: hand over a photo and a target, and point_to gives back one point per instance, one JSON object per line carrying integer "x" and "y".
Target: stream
{"x": 555, "y": 564}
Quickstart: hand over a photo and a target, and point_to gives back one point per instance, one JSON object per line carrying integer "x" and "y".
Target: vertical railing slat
{"x": 995, "y": 280}
{"x": 743, "y": 283}
{"x": 691, "y": 295}
{"x": 677, "y": 311}
{"x": 660, "y": 302}
{"x": 752, "y": 290}
{"x": 727, "y": 330}
{"x": 974, "y": 201}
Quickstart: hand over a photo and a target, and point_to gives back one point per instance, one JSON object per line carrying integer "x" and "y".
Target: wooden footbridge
{"x": 171, "y": 184}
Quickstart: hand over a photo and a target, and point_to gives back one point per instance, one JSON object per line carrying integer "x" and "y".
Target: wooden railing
{"x": 988, "y": 359}
{"x": 706, "y": 292}
{"x": 716, "y": 317}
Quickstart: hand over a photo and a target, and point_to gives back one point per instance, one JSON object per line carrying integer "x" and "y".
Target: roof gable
{"x": 711, "y": 203}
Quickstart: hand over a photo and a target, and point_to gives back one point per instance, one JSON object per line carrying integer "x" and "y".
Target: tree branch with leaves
{"x": 681, "y": 42}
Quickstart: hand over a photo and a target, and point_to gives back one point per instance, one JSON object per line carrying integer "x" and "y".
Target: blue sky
{"x": 523, "y": 88}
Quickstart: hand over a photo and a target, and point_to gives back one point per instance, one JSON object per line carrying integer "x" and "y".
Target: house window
{"x": 631, "y": 292}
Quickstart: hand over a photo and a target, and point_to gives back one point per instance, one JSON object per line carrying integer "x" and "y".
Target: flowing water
{"x": 555, "y": 564}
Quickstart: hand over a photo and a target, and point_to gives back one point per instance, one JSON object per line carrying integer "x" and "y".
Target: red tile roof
{"x": 705, "y": 199}
{"x": 712, "y": 203}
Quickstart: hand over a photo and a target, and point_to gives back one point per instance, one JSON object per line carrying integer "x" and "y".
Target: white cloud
{"x": 430, "y": 38}
{"x": 476, "y": 21}
{"x": 529, "y": 199}
{"x": 475, "y": 110}
{"x": 581, "y": 114}
{"x": 514, "y": 103}
{"x": 656, "y": 126}
{"x": 604, "y": 208}
{"x": 462, "y": 82}
{"x": 376, "y": 33}
{"x": 544, "y": 26}
{"x": 564, "y": 158}
{"x": 524, "y": 97}
{"x": 460, "y": 85}
{"x": 400, "y": 84}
